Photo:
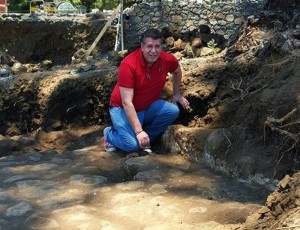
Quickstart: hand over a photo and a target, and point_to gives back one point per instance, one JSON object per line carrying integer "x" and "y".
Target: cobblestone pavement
{"x": 91, "y": 189}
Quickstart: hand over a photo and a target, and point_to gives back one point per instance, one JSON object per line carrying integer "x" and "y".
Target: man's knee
{"x": 174, "y": 111}
{"x": 131, "y": 146}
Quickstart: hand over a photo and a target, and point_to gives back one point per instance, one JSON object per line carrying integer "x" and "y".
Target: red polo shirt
{"x": 133, "y": 73}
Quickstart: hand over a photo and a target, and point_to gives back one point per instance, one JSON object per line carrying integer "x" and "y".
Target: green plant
{"x": 189, "y": 51}
{"x": 212, "y": 45}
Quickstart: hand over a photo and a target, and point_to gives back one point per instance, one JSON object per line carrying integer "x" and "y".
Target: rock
{"x": 18, "y": 68}
{"x": 82, "y": 180}
{"x": 130, "y": 185}
{"x": 151, "y": 175}
{"x": 158, "y": 189}
{"x": 218, "y": 142}
{"x": 79, "y": 54}
{"x": 169, "y": 42}
{"x": 18, "y": 210}
{"x": 186, "y": 141}
{"x": 4, "y": 73}
{"x": 40, "y": 222}
{"x": 138, "y": 164}
{"x": 57, "y": 125}
{"x": 205, "y": 51}
{"x": 251, "y": 221}
{"x": 168, "y": 142}
{"x": 263, "y": 210}
{"x": 23, "y": 140}
{"x": 7, "y": 146}
{"x": 197, "y": 42}
{"x": 179, "y": 45}
{"x": 47, "y": 64}
{"x": 178, "y": 55}
{"x": 283, "y": 184}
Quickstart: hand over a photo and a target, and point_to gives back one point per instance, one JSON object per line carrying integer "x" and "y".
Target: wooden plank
{"x": 108, "y": 23}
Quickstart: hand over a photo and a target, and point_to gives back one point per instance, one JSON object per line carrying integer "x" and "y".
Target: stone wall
{"x": 222, "y": 16}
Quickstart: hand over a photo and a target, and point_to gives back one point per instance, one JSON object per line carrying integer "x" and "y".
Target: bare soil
{"x": 250, "y": 88}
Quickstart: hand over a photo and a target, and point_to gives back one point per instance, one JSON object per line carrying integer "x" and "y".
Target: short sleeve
{"x": 172, "y": 62}
{"x": 125, "y": 75}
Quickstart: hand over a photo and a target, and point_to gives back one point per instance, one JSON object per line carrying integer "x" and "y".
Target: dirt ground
{"x": 249, "y": 89}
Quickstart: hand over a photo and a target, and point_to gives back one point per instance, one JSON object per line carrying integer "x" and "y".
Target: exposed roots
{"x": 253, "y": 87}
{"x": 278, "y": 126}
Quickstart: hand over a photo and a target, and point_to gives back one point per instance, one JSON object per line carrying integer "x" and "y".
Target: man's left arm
{"x": 177, "y": 97}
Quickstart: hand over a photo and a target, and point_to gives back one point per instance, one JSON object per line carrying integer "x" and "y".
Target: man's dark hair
{"x": 152, "y": 33}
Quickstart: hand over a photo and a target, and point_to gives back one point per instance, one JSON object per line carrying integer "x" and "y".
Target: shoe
{"x": 108, "y": 146}
{"x": 146, "y": 151}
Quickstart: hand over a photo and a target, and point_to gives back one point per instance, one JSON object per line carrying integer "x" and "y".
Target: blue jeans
{"x": 154, "y": 120}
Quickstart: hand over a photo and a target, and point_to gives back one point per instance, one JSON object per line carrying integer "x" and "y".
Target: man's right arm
{"x": 127, "y": 97}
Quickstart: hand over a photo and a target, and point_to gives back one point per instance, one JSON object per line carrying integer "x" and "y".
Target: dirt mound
{"x": 53, "y": 100}
{"x": 282, "y": 209}
{"x": 36, "y": 38}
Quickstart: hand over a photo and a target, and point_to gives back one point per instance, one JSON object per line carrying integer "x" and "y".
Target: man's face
{"x": 151, "y": 49}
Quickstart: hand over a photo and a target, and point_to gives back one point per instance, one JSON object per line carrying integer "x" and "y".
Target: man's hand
{"x": 143, "y": 139}
{"x": 182, "y": 101}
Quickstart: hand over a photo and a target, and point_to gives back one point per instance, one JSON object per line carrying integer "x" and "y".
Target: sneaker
{"x": 146, "y": 151}
{"x": 108, "y": 146}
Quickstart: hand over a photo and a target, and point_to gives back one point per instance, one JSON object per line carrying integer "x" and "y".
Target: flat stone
{"x": 124, "y": 196}
{"x": 61, "y": 161}
{"x": 3, "y": 222}
{"x": 23, "y": 140}
{"x": 84, "y": 180}
{"x": 7, "y": 146}
{"x": 34, "y": 156}
{"x": 8, "y": 158}
{"x": 4, "y": 73}
{"x": 230, "y": 18}
{"x": 20, "y": 177}
{"x": 283, "y": 184}
{"x": 131, "y": 185}
{"x": 158, "y": 189}
{"x": 96, "y": 191}
{"x": 106, "y": 225}
{"x": 35, "y": 188}
{"x": 53, "y": 174}
{"x": 138, "y": 164}
{"x": 44, "y": 167}
{"x": 19, "y": 209}
{"x": 199, "y": 209}
{"x": 65, "y": 197}
{"x": 6, "y": 165}
{"x": 151, "y": 175}
{"x": 38, "y": 222}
